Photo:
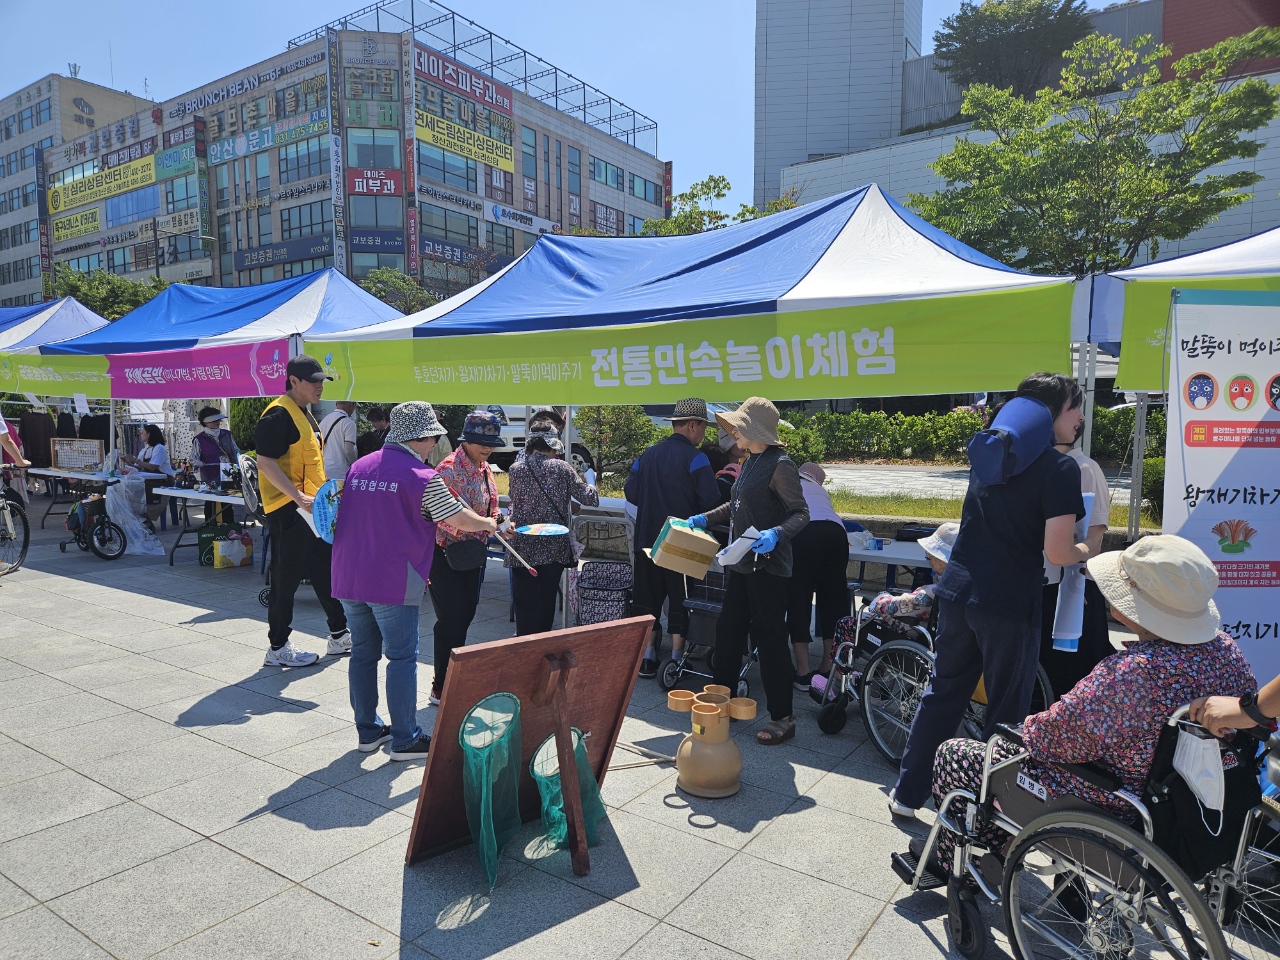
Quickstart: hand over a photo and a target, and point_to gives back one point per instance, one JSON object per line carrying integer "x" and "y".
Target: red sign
{"x": 137, "y": 151}
{"x": 375, "y": 183}
{"x": 666, "y": 187}
{"x": 439, "y": 69}
{"x": 1247, "y": 573}
{"x": 411, "y": 240}
{"x": 1227, "y": 433}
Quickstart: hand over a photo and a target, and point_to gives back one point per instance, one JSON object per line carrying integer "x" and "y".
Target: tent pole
{"x": 1090, "y": 389}
{"x": 568, "y": 451}
{"x": 1139, "y": 448}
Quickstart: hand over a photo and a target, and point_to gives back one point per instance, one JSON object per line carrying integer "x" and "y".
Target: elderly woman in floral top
{"x": 541, "y": 489}
{"x": 1161, "y": 588}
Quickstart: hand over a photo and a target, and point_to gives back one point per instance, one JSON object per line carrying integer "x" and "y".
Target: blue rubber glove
{"x": 766, "y": 542}
{"x": 699, "y": 521}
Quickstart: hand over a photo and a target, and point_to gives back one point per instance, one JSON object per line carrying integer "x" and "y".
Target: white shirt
{"x": 157, "y": 456}
{"x": 819, "y": 502}
{"x": 338, "y": 431}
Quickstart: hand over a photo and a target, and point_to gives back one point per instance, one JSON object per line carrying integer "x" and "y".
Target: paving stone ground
{"x": 163, "y": 795}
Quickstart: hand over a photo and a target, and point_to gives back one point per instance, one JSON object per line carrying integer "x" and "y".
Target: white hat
{"x": 1165, "y": 585}
{"x": 940, "y": 543}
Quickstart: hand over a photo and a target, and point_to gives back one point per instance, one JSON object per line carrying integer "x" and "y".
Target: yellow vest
{"x": 302, "y": 463}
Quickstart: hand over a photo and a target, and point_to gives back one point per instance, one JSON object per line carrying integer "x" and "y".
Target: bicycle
{"x": 92, "y": 529}
{"x": 15, "y": 532}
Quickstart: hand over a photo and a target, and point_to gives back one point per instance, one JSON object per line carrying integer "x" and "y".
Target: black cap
{"x": 306, "y": 368}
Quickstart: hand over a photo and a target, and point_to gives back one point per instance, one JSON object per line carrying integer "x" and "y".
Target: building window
{"x": 120, "y": 260}
{"x": 222, "y": 185}
{"x": 529, "y": 152}
{"x": 44, "y": 111}
{"x": 302, "y": 97}
{"x": 262, "y": 163}
{"x": 499, "y": 185}
{"x": 264, "y": 227}
{"x": 135, "y": 205}
{"x": 72, "y": 174}
{"x": 373, "y": 149}
{"x": 27, "y": 156}
{"x": 375, "y": 212}
{"x": 372, "y": 83}
{"x": 304, "y": 160}
{"x": 267, "y": 274}
{"x": 362, "y": 263}
{"x": 26, "y": 119}
{"x": 306, "y": 220}
{"x": 441, "y": 224}
{"x": 645, "y": 189}
{"x": 606, "y": 173}
{"x": 8, "y": 128}
{"x": 84, "y": 264}
{"x": 500, "y": 240}
{"x": 181, "y": 193}
{"x": 11, "y": 163}
{"x": 529, "y": 239}
{"x": 29, "y": 195}
{"x": 635, "y": 226}
{"x": 445, "y": 167}
{"x": 299, "y": 267}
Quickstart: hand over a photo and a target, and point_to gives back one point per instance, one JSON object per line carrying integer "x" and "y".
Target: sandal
{"x": 776, "y": 731}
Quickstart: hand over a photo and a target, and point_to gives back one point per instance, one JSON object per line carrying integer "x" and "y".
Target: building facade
{"x": 356, "y": 149}
{"x": 35, "y": 122}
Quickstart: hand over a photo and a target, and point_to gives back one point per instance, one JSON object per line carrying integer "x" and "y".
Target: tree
{"x": 1078, "y": 179}
{"x": 397, "y": 290}
{"x": 694, "y": 210}
{"x": 615, "y": 434}
{"x": 106, "y": 294}
{"x": 1009, "y": 44}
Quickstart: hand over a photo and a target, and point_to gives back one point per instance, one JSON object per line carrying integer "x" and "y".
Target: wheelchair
{"x": 1079, "y": 882}
{"x": 885, "y": 672}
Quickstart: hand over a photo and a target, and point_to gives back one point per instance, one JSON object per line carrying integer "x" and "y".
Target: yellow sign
{"x": 77, "y": 225}
{"x": 127, "y": 176}
{"x": 446, "y": 135}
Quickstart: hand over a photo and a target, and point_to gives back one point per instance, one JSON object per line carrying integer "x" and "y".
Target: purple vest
{"x": 382, "y": 548}
{"x": 210, "y": 456}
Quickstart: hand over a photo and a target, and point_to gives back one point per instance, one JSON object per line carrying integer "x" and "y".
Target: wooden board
{"x": 599, "y": 689}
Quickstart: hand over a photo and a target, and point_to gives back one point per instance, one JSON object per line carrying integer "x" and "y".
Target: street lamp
{"x": 156, "y": 236}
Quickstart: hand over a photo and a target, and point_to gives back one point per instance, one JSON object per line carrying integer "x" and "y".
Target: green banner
{"x": 909, "y": 347}
{"x": 55, "y": 376}
{"x": 1144, "y": 356}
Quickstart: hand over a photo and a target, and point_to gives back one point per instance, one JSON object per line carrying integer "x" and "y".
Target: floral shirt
{"x": 530, "y": 505}
{"x": 889, "y": 608}
{"x": 1113, "y": 717}
{"x": 472, "y": 483}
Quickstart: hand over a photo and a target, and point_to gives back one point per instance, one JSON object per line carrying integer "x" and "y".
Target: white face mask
{"x": 1198, "y": 759}
{"x": 212, "y": 430}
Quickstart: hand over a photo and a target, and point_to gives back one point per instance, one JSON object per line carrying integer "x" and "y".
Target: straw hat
{"x": 756, "y": 419}
{"x": 1165, "y": 585}
{"x": 691, "y": 408}
{"x": 941, "y": 542}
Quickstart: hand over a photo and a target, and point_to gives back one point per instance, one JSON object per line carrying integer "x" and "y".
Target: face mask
{"x": 1199, "y": 761}
{"x": 212, "y": 431}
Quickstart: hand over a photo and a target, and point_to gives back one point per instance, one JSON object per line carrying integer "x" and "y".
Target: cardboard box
{"x": 684, "y": 549}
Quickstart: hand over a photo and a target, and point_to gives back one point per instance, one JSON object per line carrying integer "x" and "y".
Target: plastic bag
{"x": 491, "y": 755}
{"x": 126, "y": 505}
{"x": 545, "y": 768}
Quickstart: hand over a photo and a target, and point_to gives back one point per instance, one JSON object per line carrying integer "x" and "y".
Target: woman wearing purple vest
{"x": 382, "y": 550}
{"x": 209, "y": 447}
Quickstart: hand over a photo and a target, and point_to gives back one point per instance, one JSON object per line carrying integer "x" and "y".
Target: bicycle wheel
{"x": 892, "y": 685}
{"x": 15, "y": 536}
{"x": 975, "y": 715}
{"x": 107, "y": 540}
{"x": 1082, "y": 884}
{"x": 1246, "y": 897}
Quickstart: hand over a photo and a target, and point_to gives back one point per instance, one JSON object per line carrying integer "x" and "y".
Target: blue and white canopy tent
{"x": 24, "y": 329}
{"x": 849, "y": 296}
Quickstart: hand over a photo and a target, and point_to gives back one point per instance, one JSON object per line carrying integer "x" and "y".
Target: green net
{"x": 490, "y": 740}
{"x": 545, "y": 768}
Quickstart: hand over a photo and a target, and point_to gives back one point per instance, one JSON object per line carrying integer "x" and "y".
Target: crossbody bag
{"x": 470, "y": 554}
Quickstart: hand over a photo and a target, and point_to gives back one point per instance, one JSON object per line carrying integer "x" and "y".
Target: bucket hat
{"x": 941, "y": 541}
{"x": 483, "y": 428}
{"x": 1164, "y": 584}
{"x": 413, "y": 420}
{"x": 550, "y": 438}
{"x": 814, "y": 472}
{"x": 691, "y": 408}
{"x": 756, "y": 419}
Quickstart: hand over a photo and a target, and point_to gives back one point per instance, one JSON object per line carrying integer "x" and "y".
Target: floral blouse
{"x": 530, "y": 505}
{"x": 1113, "y": 717}
{"x": 472, "y": 484}
{"x": 890, "y": 608}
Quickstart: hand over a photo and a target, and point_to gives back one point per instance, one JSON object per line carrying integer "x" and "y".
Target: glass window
{"x": 31, "y": 231}
{"x": 302, "y": 97}
{"x": 606, "y": 173}
{"x": 306, "y": 220}
{"x": 299, "y": 267}
{"x": 268, "y": 274}
{"x": 44, "y": 111}
{"x": 264, "y": 227}
{"x": 11, "y": 163}
{"x": 500, "y": 240}
{"x": 85, "y": 264}
{"x": 529, "y": 152}
{"x": 224, "y": 231}
{"x": 372, "y": 83}
{"x": 120, "y": 260}
{"x": 645, "y": 189}
{"x": 221, "y": 181}
{"x": 529, "y": 239}
{"x": 26, "y": 119}
{"x": 635, "y": 226}
{"x": 445, "y": 167}
{"x": 181, "y": 193}
{"x": 498, "y": 185}
{"x": 29, "y": 195}
{"x": 474, "y": 116}
{"x": 72, "y": 174}
{"x": 362, "y": 263}
{"x": 27, "y": 156}
{"x": 376, "y": 212}
{"x": 135, "y": 205}
{"x": 304, "y": 160}
{"x": 449, "y": 226}
{"x": 263, "y": 173}
{"x": 373, "y": 149}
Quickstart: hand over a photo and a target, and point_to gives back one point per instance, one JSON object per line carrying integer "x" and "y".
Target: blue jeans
{"x": 378, "y": 628}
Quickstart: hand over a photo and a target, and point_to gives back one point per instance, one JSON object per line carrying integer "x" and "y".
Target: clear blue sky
{"x": 697, "y": 83}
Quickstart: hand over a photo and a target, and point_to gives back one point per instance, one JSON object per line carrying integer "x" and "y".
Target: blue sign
{"x": 375, "y": 241}
{"x": 306, "y": 248}
{"x": 271, "y": 135}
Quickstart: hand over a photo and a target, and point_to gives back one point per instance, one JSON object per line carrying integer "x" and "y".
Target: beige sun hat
{"x": 941, "y": 542}
{"x": 1165, "y": 585}
{"x": 756, "y": 419}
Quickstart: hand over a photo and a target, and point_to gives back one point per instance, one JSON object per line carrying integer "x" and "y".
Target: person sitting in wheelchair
{"x": 1161, "y": 588}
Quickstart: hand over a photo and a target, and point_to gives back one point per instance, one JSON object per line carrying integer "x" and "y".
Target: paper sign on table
{"x": 82, "y": 404}
{"x": 735, "y": 551}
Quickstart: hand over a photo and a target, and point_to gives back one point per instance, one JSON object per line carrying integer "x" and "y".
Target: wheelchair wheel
{"x": 965, "y": 925}
{"x": 669, "y": 674}
{"x": 1080, "y": 883}
{"x": 1247, "y": 899}
{"x": 975, "y": 715}
{"x": 892, "y": 685}
{"x": 833, "y": 716}
{"x": 107, "y": 540}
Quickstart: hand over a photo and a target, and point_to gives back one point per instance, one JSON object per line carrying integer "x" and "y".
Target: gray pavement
{"x": 163, "y": 795}
{"x": 924, "y": 480}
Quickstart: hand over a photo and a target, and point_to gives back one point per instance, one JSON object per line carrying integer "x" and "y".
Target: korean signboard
{"x": 497, "y": 213}
{"x": 106, "y": 183}
{"x": 272, "y": 135}
{"x": 176, "y": 162}
{"x": 1222, "y": 463}
{"x": 306, "y": 248}
{"x": 374, "y": 183}
{"x": 667, "y": 190}
{"x": 447, "y": 135}
{"x": 335, "y": 160}
{"x": 42, "y": 225}
{"x": 376, "y": 241}
{"x": 79, "y": 224}
{"x": 452, "y": 75}
{"x": 244, "y": 85}
{"x": 186, "y": 221}
{"x": 432, "y": 194}
{"x": 410, "y": 149}
{"x": 136, "y": 151}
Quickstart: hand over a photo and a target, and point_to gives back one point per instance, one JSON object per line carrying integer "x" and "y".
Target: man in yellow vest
{"x": 290, "y": 471}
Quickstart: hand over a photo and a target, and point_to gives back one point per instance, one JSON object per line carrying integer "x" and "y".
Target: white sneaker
{"x": 900, "y": 809}
{"x": 286, "y": 656}
{"x": 339, "y": 644}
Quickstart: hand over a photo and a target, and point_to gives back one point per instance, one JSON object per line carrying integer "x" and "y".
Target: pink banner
{"x": 242, "y": 370}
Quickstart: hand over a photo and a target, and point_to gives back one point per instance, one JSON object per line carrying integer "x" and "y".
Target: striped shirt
{"x": 437, "y": 502}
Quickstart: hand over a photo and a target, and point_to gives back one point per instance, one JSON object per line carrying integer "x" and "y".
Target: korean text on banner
{"x": 1222, "y": 465}
{"x": 899, "y": 348}
{"x": 55, "y": 376}
{"x": 447, "y": 135}
{"x": 106, "y": 183}
{"x": 239, "y": 370}
{"x": 79, "y": 224}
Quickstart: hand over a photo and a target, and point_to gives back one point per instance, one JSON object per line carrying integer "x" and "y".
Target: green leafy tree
{"x": 1079, "y": 179}
{"x": 1009, "y": 44}
{"x": 106, "y": 294}
{"x": 245, "y": 414}
{"x": 694, "y": 211}
{"x": 397, "y": 290}
{"x": 615, "y": 434}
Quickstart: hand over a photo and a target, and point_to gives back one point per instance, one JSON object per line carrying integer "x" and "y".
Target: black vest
{"x": 756, "y": 505}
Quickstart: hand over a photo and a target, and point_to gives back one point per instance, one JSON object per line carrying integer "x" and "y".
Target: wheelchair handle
{"x": 1011, "y": 733}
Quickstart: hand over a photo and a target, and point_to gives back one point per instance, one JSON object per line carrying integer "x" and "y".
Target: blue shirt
{"x": 673, "y": 478}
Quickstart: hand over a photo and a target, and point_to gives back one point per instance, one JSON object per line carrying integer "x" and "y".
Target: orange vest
{"x": 302, "y": 463}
